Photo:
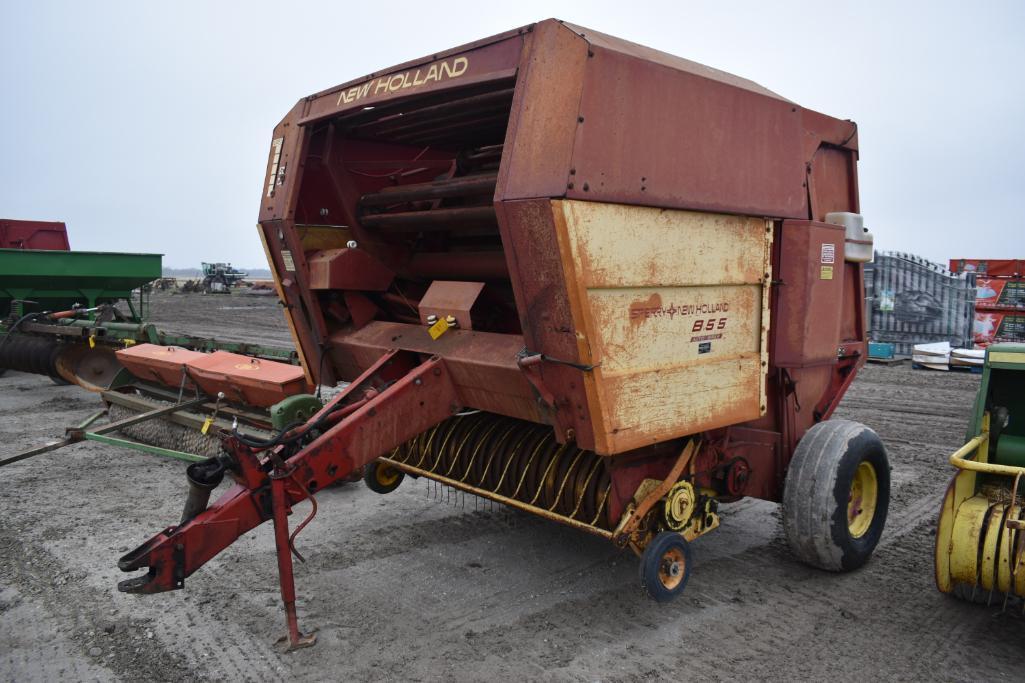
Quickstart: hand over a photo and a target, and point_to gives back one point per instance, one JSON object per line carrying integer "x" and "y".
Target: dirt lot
{"x": 409, "y": 587}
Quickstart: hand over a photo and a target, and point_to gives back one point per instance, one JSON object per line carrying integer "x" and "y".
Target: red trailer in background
{"x": 999, "y": 298}
{"x": 990, "y": 267}
{"x": 49, "y": 235}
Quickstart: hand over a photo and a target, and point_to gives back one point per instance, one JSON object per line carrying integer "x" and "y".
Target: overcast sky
{"x": 145, "y": 126}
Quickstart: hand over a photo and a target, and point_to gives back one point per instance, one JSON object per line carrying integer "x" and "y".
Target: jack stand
{"x": 295, "y": 640}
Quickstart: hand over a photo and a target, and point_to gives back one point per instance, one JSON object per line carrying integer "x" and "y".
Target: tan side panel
{"x": 627, "y": 246}
{"x": 671, "y": 307}
{"x": 655, "y": 406}
{"x": 642, "y": 329}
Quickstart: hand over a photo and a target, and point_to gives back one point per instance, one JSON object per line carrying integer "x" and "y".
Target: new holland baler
{"x": 581, "y": 277}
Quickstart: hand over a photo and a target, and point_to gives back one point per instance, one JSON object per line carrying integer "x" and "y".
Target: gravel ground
{"x": 418, "y": 585}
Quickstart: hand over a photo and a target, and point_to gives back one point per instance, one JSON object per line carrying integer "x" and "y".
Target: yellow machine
{"x": 980, "y": 540}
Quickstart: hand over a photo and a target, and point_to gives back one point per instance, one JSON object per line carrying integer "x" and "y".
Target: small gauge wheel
{"x": 665, "y": 566}
{"x": 381, "y": 477}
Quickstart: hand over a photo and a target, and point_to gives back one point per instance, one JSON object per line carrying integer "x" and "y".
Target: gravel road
{"x": 424, "y": 584}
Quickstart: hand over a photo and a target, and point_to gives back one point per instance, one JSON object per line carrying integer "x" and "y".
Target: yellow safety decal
{"x": 129, "y": 342}
{"x": 206, "y": 425}
{"x": 92, "y": 342}
{"x": 439, "y": 328}
{"x": 827, "y": 273}
{"x": 1006, "y": 357}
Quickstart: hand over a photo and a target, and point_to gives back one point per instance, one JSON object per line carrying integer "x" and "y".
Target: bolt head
{"x": 351, "y": 244}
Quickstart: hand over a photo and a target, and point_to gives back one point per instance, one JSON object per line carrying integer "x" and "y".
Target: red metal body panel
{"x": 48, "y": 235}
{"x": 161, "y": 364}
{"x": 348, "y": 269}
{"x": 483, "y": 365}
{"x": 444, "y": 169}
{"x": 589, "y": 117}
{"x": 810, "y": 283}
{"x": 539, "y": 140}
{"x": 989, "y": 267}
{"x": 670, "y": 138}
{"x": 544, "y": 310}
{"x": 483, "y": 61}
{"x": 246, "y": 380}
{"x": 455, "y": 299}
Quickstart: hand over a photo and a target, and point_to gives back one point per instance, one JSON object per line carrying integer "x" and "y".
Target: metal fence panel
{"x": 910, "y": 300}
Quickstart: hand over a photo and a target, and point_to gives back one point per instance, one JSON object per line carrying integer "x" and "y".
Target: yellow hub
{"x": 672, "y": 568}
{"x": 861, "y": 503}
{"x": 385, "y": 475}
{"x": 679, "y": 505}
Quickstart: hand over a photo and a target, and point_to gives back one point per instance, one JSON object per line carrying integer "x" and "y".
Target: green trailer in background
{"x": 45, "y": 291}
{"x": 33, "y": 281}
{"x": 58, "y": 315}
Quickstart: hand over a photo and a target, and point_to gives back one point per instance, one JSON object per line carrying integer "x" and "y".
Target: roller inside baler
{"x": 583, "y": 278}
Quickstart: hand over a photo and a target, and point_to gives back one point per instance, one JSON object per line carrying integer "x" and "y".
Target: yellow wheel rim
{"x": 861, "y": 504}
{"x": 672, "y": 568}
{"x": 385, "y": 475}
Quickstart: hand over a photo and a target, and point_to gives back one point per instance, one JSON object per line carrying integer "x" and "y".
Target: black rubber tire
{"x": 377, "y": 477}
{"x": 818, "y": 484}
{"x": 651, "y": 561}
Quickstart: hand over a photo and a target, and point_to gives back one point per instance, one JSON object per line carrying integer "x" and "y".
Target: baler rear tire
{"x": 382, "y": 478}
{"x": 818, "y": 489}
{"x": 657, "y": 581}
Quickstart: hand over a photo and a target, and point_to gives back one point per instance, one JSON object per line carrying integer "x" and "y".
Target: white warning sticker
{"x": 828, "y": 253}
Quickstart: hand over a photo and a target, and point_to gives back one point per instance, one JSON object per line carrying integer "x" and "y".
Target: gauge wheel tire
{"x": 665, "y": 566}
{"x": 381, "y": 477}
{"x": 836, "y": 495}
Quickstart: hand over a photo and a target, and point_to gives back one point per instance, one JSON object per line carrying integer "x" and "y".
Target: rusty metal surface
{"x": 486, "y": 60}
{"x": 16, "y": 234}
{"x": 472, "y": 265}
{"x": 426, "y": 220}
{"x": 675, "y": 335}
{"x": 811, "y": 274}
{"x": 539, "y": 139}
{"x": 162, "y": 364}
{"x": 438, "y": 189}
{"x": 538, "y": 278}
{"x": 665, "y": 137}
{"x": 446, "y": 298}
{"x": 348, "y": 269}
{"x": 612, "y": 43}
{"x": 589, "y": 117}
{"x": 247, "y": 380}
{"x": 482, "y": 365}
